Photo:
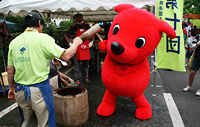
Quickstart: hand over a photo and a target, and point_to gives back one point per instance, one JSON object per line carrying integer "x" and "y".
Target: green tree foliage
{"x": 188, "y": 6}
{"x": 18, "y": 20}
{"x": 66, "y": 24}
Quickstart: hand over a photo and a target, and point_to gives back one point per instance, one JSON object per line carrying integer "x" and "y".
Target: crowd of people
{"x": 192, "y": 46}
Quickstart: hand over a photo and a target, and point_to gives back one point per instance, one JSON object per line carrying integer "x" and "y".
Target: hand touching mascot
{"x": 133, "y": 36}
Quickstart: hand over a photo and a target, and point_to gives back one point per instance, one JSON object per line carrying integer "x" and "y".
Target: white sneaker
{"x": 188, "y": 88}
{"x": 198, "y": 92}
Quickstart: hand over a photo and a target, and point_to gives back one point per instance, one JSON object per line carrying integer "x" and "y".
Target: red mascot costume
{"x": 133, "y": 36}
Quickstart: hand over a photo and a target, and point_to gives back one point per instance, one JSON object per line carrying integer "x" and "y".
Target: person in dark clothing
{"x": 107, "y": 27}
{"x": 190, "y": 40}
{"x": 83, "y": 52}
{"x": 57, "y": 78}
{"x": 195, "y": 65}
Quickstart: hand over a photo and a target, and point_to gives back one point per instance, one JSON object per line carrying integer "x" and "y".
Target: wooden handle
{"x": 90, "y": 32}
{"x": 99, "y": 37}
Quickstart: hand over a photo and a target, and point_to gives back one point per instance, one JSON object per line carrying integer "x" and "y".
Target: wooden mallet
{"x": 90, "y": 32}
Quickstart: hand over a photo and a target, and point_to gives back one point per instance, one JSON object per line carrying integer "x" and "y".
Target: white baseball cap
{"x": 63, "y": 62}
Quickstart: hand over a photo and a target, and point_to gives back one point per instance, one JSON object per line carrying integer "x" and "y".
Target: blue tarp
{"x": 11, "y": 25}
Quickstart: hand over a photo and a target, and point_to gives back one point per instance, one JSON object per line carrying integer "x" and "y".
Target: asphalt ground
{"x": 186, "y": 102}
{"x": 125, "y": 108}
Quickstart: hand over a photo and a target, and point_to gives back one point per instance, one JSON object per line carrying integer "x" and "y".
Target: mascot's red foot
{"x": 143, "y": 113}
{"x": 107, "y": 106}
{"x": 106, "y": 109}
{"x": 143, "y": 108}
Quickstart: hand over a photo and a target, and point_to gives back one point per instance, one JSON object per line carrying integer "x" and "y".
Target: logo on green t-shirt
{"x": 22, "y": 50}
{"x": 23, "y": 55}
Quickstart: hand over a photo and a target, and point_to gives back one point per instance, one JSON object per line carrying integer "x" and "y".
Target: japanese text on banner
{"x": 171, "y": 52}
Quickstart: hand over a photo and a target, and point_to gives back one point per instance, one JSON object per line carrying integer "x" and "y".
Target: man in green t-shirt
{"x": 28, "y": 70}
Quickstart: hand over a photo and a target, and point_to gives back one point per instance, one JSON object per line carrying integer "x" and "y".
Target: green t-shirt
{"x": 30, "y": 54}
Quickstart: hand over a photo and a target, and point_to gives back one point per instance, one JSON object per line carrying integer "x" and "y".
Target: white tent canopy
{"x": 92, "y": 10}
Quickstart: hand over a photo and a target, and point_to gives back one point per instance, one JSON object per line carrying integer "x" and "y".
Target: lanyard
{"x": 31, "y": 29}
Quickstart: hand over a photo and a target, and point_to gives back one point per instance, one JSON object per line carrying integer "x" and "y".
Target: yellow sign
{"x": 171, "y": 52}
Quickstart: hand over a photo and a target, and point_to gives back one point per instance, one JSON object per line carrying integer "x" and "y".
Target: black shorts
{"x": 195, "y": 64}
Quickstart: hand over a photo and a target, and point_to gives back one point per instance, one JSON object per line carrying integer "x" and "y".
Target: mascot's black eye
{"x": 115, "y": 29}
{"x": 140, "y": 42}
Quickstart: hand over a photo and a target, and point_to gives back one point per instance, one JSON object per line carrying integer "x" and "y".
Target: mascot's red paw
{"x": 105, "y": 109}
{"x": 103, "y": 46}
{"x": 143, "y": 113}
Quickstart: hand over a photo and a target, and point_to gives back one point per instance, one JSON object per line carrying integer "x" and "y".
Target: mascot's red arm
{"x": 103, "y": 46}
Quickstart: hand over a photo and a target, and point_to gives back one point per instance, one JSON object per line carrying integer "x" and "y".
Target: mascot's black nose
{"x": 116, "y": 48}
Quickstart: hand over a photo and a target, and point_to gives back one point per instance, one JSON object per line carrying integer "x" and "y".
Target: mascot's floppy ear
{"x": 166, "y": 28}
{"x": 161, "y": 25}
{"x": 121, "y": 7}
